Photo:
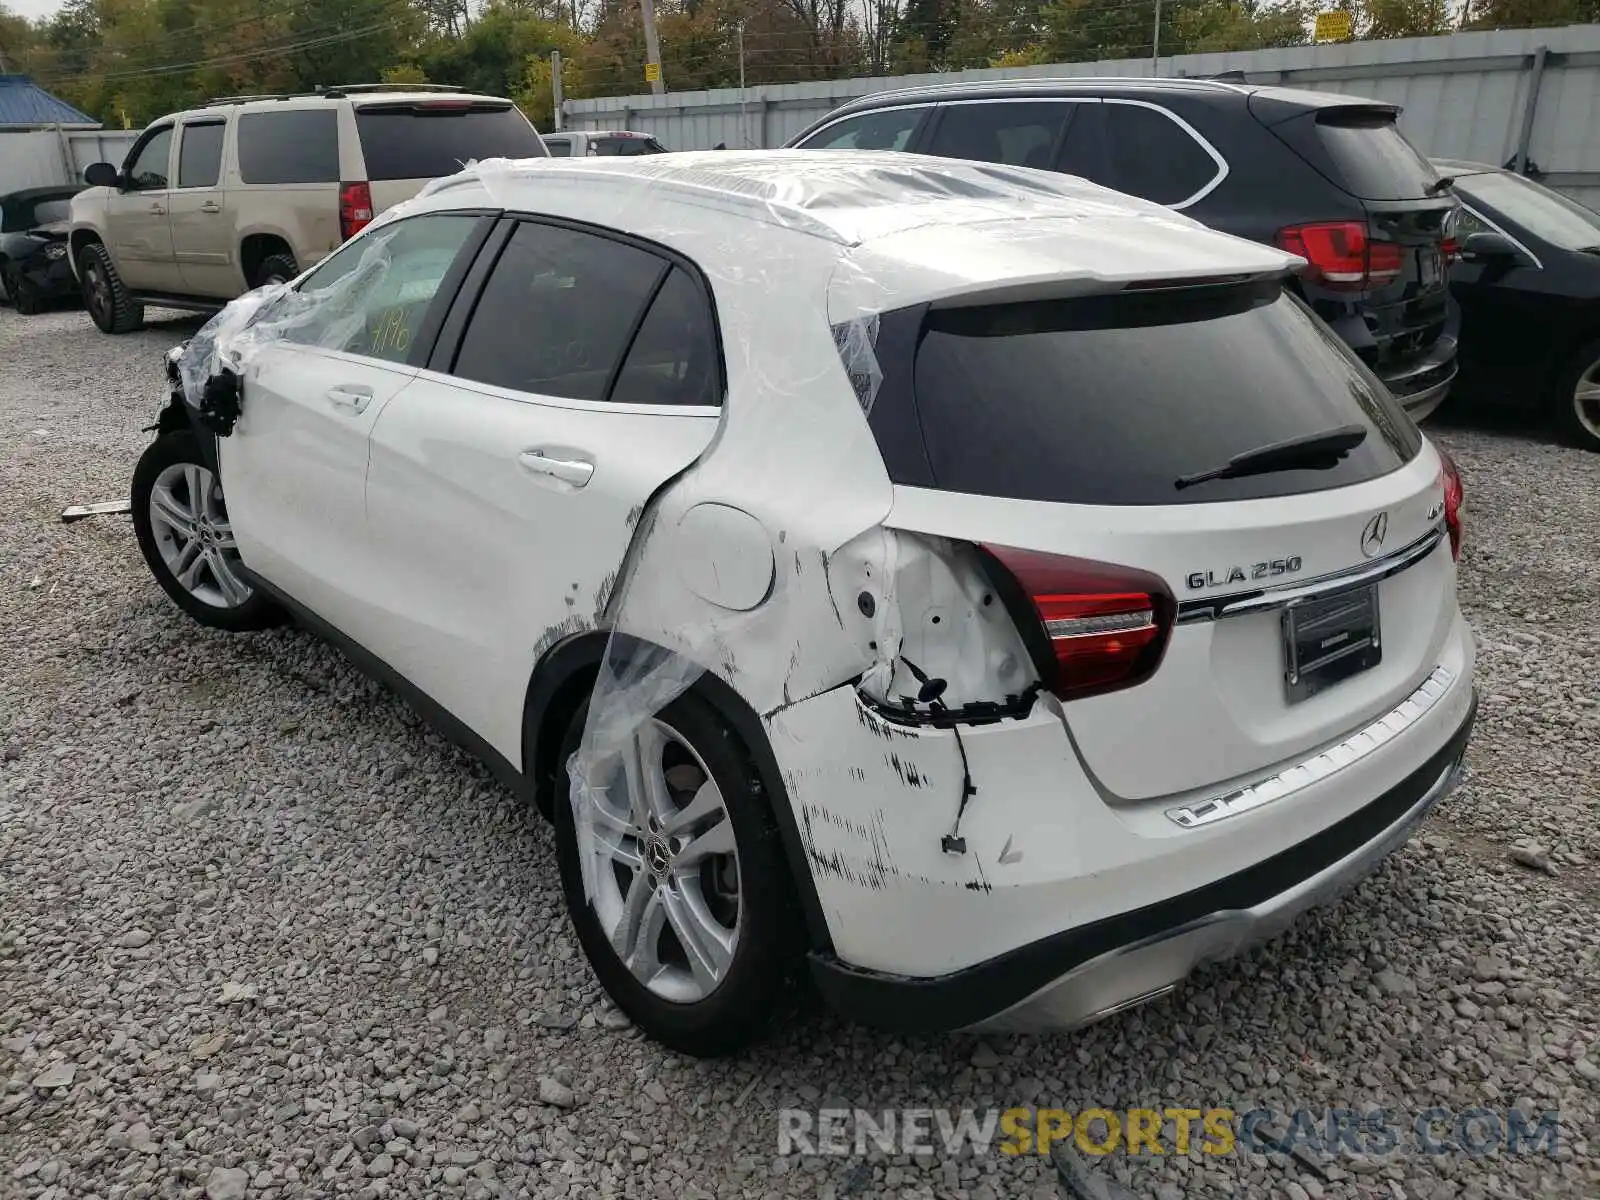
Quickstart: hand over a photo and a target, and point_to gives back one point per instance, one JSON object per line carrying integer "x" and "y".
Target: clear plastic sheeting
{"x": 804, "y": 251}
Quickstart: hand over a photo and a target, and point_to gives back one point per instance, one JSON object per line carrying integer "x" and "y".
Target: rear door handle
{"x": 211, "y": 206}
{"x": 576, "y": 471}
{"x": 350, "y": 397}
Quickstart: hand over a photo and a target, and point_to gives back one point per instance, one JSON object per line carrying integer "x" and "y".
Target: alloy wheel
{"x": 192, "y": 533}
{"x": 661, "y": 867}
{"x": 1586, "y": 400}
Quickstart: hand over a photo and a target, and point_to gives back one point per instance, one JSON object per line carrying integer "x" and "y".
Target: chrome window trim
{"x": 865, "y": 112}
{"x": 1478, "y": 216}
{"x": 1216, "y": 157}
{"x": 1235, "y": 604}
{"x": 1323, "y": 765}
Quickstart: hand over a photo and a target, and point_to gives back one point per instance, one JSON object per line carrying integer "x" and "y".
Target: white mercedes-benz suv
{"x": 978, "y": 590}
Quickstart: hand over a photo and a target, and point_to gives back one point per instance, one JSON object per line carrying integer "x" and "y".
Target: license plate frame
{"x": 1430, "y": 266}
{"x": 1330, "y": 639}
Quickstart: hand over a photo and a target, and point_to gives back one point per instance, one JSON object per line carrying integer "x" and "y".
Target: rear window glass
{"x": 431, "y": 139}
{"x": 619, "y": 146}
{"x": 289, "y": 147}
{"x": 1110, "y": 399}
{"x": 1362, "y": 152}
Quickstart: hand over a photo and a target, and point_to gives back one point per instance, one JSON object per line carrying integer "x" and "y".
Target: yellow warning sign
{"x": 1333, "y": 26}
{"x": 652, "y": 72}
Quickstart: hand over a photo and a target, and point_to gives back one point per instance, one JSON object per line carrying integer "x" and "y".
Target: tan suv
{"x": 255, "y": 189}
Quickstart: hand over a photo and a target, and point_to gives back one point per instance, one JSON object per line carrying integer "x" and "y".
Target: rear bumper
{"x": 1081, "y": 974}
{"x": 1421, "y": 384}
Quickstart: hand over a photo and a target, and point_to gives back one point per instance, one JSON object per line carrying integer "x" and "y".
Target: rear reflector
{"x": 1092, "y": 627}
{"x": 355, "y": 209}
{"x": 1454, "y": 497}
{"x": 1342, "y": 255}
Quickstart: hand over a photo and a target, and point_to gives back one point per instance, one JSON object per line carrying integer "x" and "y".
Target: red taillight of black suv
{"x": 1343, "y": 255}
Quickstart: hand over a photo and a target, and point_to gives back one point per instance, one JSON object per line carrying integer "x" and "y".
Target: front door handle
{"x": 576, "y": 471}
{"x": 350, "y": 397}
{"x": 211, "y": 206}
{"x": 158, "y": 209}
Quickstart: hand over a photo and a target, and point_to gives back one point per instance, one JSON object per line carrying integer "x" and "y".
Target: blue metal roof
{"x": 25, "y": 103}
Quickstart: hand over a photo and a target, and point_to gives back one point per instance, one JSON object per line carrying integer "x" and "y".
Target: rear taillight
{"x": 1453, "y": 499}
{"x": 355, "y": 209}
{"x": 1451, "y": 249}
{"x": 1343, "y": 256}
{"x": 1092, "y": 627}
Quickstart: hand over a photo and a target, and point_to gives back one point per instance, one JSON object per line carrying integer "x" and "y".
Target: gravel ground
{"x": 263, "y": 934}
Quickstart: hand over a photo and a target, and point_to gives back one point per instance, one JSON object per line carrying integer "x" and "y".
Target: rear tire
{"x": 181, "y": 521}
{"x": 275, "y": 268}
{"x": 710, "y": 1012}
{"x": 1576, "y": 403}
{"x": 110, "y": 305}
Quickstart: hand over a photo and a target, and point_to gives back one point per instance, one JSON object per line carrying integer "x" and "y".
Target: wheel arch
{"x": 258, "y": 246}
{"x": 562, "y": 681}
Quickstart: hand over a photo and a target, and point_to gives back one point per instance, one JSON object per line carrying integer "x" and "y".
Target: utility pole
{"x": 652, "y": 48}
{"x": 744, "y": 129}
{"x": 1155, "y": 45}
{"x": 555, "y": 87}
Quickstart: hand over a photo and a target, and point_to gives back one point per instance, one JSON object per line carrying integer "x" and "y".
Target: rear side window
{"x": 557, "y": 312}
{"x": 673, "y": 359}
{"x": 1152, "y": 156}
{"x": 1361, "y": 151}
{"x": 299, "y": 146}
{"x": 1110, "y": 399}
{"x": 614, "y": 147}
{"x": 1017, "y": 133}
{"x": 433, "y": 138}
{"x": 888, "y": 129}
{"x": 200, "y": 155}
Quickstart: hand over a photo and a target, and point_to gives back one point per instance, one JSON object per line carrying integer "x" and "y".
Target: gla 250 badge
{"x": 1270, "y": 569}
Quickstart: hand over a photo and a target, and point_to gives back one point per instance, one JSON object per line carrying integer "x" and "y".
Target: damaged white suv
{"x": 984, "y": 592}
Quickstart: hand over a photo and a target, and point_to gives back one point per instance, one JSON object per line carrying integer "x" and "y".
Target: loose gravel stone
{"x": 318, "y": 874}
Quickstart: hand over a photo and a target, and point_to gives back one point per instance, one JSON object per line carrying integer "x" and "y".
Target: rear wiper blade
{"x": 1440, "y": 184}
{"x": 1313, "y": 452}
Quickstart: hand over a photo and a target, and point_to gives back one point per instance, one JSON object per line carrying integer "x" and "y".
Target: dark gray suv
{"x": 1328, "y": 177}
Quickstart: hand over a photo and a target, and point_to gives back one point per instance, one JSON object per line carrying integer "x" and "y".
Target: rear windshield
{"x": 1110, "y": 399}
{"x": 618, "y": 146}
{"x": 429, "y": 139}
{"x": 1363, "y": 152}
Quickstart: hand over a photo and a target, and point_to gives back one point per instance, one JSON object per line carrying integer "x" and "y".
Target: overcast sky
{"x": 33, "y": 9}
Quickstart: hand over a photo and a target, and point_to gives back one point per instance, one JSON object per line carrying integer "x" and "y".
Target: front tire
{"x": 112, "y": 308}
{"x": 181, "y": 521}
{"x": 680, "y": 892}
{"x": 1576, "y": 403}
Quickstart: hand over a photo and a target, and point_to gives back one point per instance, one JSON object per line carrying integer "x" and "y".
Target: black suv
{"x": 1327, "y": 177}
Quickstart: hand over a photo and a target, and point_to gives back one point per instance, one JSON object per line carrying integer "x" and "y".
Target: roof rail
{"x": 214, "y": 101}
{"x": 342, "y": 89}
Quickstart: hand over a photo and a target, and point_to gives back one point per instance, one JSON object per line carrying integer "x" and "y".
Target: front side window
{"x": 889, "y": 129}
{"x": 147, "y": 170}
{"x": 1547, "y": 215}
{"x": 371, "y": 296}
{"x": 558, "y": 312}
{"x": 200, "y": 155}
{"x": 1016, "y": 133}
{"x": 298, "y": 146}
